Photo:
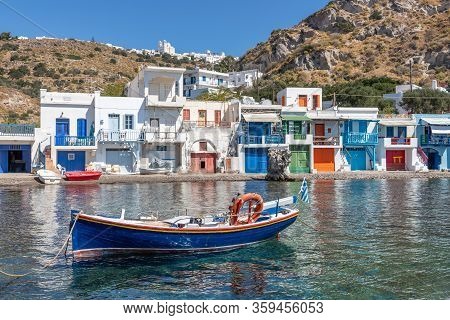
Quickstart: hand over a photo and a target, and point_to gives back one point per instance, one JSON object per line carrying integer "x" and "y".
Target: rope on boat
{"x": 49, "y": 263}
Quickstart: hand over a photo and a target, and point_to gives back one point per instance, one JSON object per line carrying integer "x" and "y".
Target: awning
{"x": 437, "y": 121}
{"x": 261, "y": 117}
{"x": 397, "y": 123}
{"x": 289, "y": 117}
{"x": 440, "y": 130}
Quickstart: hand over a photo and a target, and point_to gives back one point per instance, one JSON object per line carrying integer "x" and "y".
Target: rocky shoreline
{"x": 31, "y": 180}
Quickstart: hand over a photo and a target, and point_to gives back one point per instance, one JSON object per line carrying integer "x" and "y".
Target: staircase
{"x": 49, "y": 165}
{"x": 371, "y": 152}
{"x": 345, "y": 164}
{"x": 423, "y": 160}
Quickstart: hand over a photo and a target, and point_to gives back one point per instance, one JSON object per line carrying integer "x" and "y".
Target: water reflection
{"x": 360, "y": 239}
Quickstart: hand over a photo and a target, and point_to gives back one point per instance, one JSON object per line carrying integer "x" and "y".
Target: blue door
{"x": 72, "y": 160}
{"x": 81, "y": 128}
{"x": 62, "y": 130}
{"x": 357, "y": 159}
{"x": 256, "y": 160}
{"x": 3, "y": 161}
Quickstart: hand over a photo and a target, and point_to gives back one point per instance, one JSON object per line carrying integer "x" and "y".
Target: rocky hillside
{"x": 28, "y": 65}
{"x": 353, "y": 39}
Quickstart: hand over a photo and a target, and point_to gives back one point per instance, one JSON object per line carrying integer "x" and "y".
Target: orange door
{"x": 324, "y": 160}
{"x": 283, "y": 101}
{"x": 319, "y": 130}
{"x": 302, "y": 101}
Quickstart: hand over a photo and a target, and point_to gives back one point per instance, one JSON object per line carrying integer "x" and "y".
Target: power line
{"x": 381, "y": 97}
{"x": 27, "y": 18}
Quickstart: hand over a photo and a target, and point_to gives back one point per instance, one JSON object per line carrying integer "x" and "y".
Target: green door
{"x": 299, "y": 159}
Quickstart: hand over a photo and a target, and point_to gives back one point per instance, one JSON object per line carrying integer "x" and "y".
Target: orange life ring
{"x": 254, "y": 212}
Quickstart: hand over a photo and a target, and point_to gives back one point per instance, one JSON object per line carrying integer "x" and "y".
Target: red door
{"x": 395, "y": 160}
{"x": 203, "y": 162}
{"x": 217, "y": 117}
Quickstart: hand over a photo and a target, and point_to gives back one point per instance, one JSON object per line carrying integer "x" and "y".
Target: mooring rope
{"x": 49, "y": 263}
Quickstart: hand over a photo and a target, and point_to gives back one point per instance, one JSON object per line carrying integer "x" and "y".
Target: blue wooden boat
{"x": 248, "y": 221}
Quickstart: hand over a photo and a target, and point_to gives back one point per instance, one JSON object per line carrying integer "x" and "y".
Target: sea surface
{"x": 359, "y": 239}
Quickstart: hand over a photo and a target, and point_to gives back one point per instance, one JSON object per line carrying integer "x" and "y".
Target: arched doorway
{"x": 203, "y": 156}
{"x": 434, "y": 158}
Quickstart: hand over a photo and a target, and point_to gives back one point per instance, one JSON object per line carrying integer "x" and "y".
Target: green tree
{"x": 5, "y": 36}
{"x": 426, "y": 101}
{"x": 20, "y": 72}
{"x": 223, "y": 94}
{"x": 227, "y": 64}
{"x": 114, "y": 90}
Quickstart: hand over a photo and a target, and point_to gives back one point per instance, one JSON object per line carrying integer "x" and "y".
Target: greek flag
{"x": 303, "y": 193}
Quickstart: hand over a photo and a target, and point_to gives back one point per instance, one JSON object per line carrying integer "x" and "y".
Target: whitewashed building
{"x": 304, "y": 98}
{"x": 166, "y": 47}
{"x": 246, "y": 78}
{"x": 198, "y": 81}
{"x": 67, "y": 135}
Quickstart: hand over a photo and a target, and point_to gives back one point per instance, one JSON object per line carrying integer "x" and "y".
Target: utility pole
{"x": 410, "y": 74}
{"x": 334, "y": 99}
{"x": 257, "y": 82}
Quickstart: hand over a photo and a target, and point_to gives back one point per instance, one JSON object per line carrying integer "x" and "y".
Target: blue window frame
{"x": 401, "y": 132}
{"x": 389, "y": 132}
{"x": 62, "y": 127}
{"x": 129, "y": 120}
{"x": 363, "y": 126}
{"x": 204, "y": 78}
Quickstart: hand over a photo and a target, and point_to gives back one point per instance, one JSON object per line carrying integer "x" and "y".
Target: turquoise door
{"x": 357, "y": 159}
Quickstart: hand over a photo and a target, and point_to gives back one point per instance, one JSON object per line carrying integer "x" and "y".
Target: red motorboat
{"x": 83, "y": 175}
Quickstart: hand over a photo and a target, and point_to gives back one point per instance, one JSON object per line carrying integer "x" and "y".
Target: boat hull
{"x": 146, "y": 172}
{"x": 92, "y": 238}
{"x": 48, "y": 177}
{"x": 82, "y": 175}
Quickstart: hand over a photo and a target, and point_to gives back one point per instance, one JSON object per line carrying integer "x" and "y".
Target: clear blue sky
{"x": 233, "y": 26}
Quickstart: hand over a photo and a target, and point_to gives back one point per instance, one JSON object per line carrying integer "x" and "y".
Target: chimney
{"x": 434, "y": 84}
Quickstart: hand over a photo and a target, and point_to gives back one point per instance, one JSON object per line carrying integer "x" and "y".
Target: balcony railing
{"x": 16, "y": 130}
{"x": 326, "y": 141}
{"x": 299, "y": 136}
{"x": 271, "y": 139}
{"x": 205, "y": 124}
{"x": 435, "y": 140}
{"x": 74, "y": 141}
{"x": 161, "y": 136}
{"x": 119, "y": 135}
{"x": 401, "y": 141}
{"x": 360, "y": 138}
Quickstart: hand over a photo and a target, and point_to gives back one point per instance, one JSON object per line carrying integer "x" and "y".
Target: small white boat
{"x": 157, "y": 167}
{"x": 148, "y": 171}
{"x": 48, "y": 177}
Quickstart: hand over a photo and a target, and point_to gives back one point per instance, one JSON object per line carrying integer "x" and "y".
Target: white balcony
{"x": 399, "y": 143}
{"x": 175, "y": 102}
{"x": 299, "y": 139}
{"x": 164, "y": 137}
{"x": 327, "y": 142}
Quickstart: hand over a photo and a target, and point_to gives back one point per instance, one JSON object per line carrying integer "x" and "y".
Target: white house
{"x": 246, "y": 78}
{"x": 398, "y": 144}
{"x": 199, "y": 80}
{"x": 165, "y": 47}
{"x": 303, "y": 98}
{"x": 67, "y": 134}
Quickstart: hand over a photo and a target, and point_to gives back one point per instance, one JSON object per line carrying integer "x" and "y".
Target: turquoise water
{"x": 372, "y": 239}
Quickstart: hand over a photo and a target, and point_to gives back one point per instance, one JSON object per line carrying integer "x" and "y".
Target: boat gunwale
{"x": 208, "y": 230}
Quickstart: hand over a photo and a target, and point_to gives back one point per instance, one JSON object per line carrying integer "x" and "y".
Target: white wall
{"x": 291, "y": 96}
